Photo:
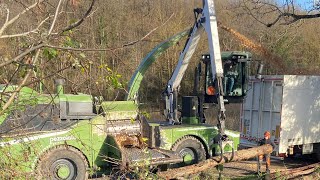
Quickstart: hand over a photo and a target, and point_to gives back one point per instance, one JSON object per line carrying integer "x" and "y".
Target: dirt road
{"x": 279, "y": 168}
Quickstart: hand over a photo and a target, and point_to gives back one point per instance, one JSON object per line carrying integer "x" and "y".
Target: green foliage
{"x": 145, "y": 114}
{"x": 220, "y": 167}
{"x": 250, "y": 177}
{"x": 132, "y": 120}
{"x": 278, "y": 175}
{"x": 205, "y": 176}
{"x": 82, "y": 55}
{"x": 143, "y": 170}
{"x": 112, "y": 78}
{"x": 9, "y": 162}
{"x": 69, "y": 42}
{"x": 50, "y": 53}
{"x": 317, "y": 169}
{"x": 23, "y": 99}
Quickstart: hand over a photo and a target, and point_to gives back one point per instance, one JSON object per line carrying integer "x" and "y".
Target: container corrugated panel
{"x": 288, "y": 106}
{"x": 261, "y": 110}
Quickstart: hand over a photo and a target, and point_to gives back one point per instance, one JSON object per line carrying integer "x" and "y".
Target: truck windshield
{"x": 235, "y": 67}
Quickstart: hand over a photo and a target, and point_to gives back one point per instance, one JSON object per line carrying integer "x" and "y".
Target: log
{"x": 296, "y": 171}
{"x": 214, "y": 161}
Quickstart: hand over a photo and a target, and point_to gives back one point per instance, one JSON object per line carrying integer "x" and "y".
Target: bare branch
{"x": 7, "y": 18}
{"x": 46, "y": 77}
{"x": 274, "y": 22}
{"x": 288, "y": 13}
{"x": 131, "y": 43}
{"x": 55, "y": 17}
{"x": 26, "y": 33}
{"x": 109, "y": 49}
{"x": 251, "y": 14}
{"x": 21, "y": 85}
{"x": 76, "y": 24}
{"x": 9, "y": 22}
{"x": 294, "y": 17}
{"x": 23, "y": 54}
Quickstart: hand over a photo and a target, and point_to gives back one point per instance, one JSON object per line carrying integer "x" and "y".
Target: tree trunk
{"x": 295, "y": 172}
{"x": 214, "y": 161}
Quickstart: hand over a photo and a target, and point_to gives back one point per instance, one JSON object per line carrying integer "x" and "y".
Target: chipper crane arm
{"x": 205, "y": 21}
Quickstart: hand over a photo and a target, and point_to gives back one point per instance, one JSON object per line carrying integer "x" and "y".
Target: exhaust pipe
{"x": 259, "y": 71}
{"x": 59, "y": 83}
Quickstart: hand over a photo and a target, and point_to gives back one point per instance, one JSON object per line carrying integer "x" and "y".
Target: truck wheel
{"x": 190, "y": 149}
{"x": 63, "y": 163}
{"x": 316, "y": 151}
{"x": 318, "y": 156}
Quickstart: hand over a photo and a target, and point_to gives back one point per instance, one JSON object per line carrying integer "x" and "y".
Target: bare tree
{"x": 286, "y": 12}
{"x": 50, "y": 34}
{"x": 38, "y": 37}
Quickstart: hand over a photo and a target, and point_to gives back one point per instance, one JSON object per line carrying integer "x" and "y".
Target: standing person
{"x": 265, "y": 140}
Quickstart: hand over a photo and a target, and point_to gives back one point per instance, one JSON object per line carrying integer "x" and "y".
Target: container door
{"x": 261, "y": 110}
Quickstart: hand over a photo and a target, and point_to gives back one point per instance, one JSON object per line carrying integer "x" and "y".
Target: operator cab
{"x": 235, "y": 72}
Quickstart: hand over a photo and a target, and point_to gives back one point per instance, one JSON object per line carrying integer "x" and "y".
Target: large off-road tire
{"x": 317, "y": 151}
{"x": 318, "y": 156}
{"x": 63, "y": 163}
{"x": 190, "y": 149}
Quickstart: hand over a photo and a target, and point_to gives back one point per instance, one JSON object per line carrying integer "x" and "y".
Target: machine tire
{"x": 318, "y": 156}
{"x": 316, "y": 151}
{"x": 63, "y": 163}
{"x": 190, "y": 149}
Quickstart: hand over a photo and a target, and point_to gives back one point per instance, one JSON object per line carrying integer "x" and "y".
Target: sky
{"x": 304, "y": 4}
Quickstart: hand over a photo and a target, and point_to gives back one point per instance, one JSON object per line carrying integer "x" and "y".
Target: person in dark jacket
{"x": 265, "y": 140}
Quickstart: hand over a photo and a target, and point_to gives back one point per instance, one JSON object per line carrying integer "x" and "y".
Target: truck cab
{"x": 235, "y": 77}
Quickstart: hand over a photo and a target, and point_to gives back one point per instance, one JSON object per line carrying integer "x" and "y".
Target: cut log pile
{"x": 292, "y": 173}
{"x": 214, "y": 161}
